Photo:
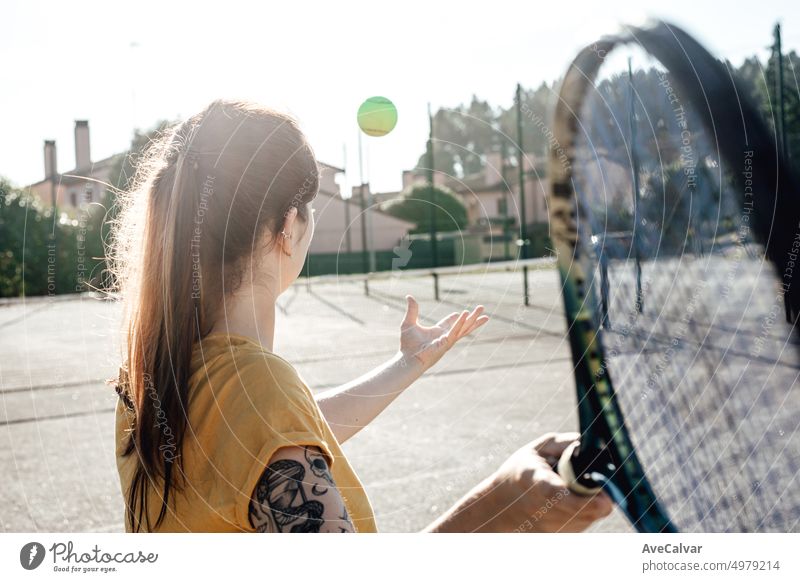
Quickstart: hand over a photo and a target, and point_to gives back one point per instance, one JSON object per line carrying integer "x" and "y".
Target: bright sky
{"x": 122, "y": 68}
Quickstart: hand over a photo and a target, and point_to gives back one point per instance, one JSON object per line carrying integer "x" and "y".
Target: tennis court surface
{"x": 492, "y": 394}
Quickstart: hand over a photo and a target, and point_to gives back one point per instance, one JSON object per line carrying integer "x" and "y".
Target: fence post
{"x": 525, "y": 285}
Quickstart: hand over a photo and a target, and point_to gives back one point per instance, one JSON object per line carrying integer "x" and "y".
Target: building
{"x": 492, "y": 195}
{"x": 493, "y": 204}
{"x": 84, "y": 184}
{"x": 339, "y": 220}
{"x": 338, "y": 227}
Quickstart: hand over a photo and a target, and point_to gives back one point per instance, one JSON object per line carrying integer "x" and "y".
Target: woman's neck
{"x": 249, "y": 312}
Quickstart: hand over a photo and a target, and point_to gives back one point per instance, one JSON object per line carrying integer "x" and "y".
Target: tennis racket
{"x": 677, "y": 229}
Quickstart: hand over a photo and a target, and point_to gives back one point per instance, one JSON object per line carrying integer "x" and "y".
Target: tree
{"x": 676, "y": 213}
{"x": 761, "y": 85}
{"x": 465, "y": 134}
{"x": 24, "y": 232}
{"x": 536, "y": 104}
{"x": 414, "y": 205}
{"x": 31, "y": 264}
{"x": 124, "y": 168}
{"x": 461, "y": 136}
{"x": 791, "y": 98}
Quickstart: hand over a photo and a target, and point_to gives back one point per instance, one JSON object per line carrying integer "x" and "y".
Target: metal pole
{"x": 349, "y": 242}
{"x": 523, "y": 214}
{"x": 363, "y": 200}
{"x": 434, "y": 244}
{"x": 635, "y": 169}
{"x": 506, "y": 249}
{"x": 521, "y": 166}
{"x": 54, "y": 233}
{"x": 781, "y": 105}
{"x": 51, "y": 155}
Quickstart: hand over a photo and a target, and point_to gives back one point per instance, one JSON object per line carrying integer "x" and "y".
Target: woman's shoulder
{"x": 251, "y": 391}
{"x": 234, "y": 365}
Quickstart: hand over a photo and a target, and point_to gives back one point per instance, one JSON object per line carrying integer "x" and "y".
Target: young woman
{"x": 216, "y": 432}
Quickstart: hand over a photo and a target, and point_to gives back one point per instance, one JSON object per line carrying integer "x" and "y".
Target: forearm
{"x": 352, "y": 406}
{"x": 477, "y": 511}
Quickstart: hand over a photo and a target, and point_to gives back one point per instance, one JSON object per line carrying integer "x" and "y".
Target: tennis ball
{"x": 377, "y": 116}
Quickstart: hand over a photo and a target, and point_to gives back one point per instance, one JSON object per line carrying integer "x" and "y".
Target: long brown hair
{"x": 205, "y": 194}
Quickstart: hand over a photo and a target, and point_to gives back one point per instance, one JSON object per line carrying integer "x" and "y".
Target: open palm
{"x": 429, "y": 344}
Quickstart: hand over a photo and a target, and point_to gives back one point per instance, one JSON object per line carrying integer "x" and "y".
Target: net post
{"x": 366, "y": 285}
{"x": 604, "y": 288}
{"x": 435, "y": 285}
{"x": 526, "y": 294}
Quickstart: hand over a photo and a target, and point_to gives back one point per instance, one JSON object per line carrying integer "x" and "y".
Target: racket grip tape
{"x": 580, "y": 484}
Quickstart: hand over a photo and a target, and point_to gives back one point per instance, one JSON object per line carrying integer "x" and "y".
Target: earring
{"x": 285, "y": 236}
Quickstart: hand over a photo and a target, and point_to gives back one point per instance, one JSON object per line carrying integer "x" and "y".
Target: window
{"x": 502, "y": 207}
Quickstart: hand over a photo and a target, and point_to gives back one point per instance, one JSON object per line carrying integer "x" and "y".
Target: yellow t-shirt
{"x": 245, "y": 403}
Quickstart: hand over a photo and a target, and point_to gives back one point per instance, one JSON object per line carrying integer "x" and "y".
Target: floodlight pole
{"x": 363, "y": 200}
{"x": 635, "y": 181}
{"x": 434, "y": 245}
{"x": 504, "y": 184}
{"x": 50, "y": 154}
{"x": 348, "y": 242}
{"x": 523, "y": 214}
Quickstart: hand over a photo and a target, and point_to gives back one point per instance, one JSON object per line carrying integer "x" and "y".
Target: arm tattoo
{"x": 319, "y": 467}
{"x": 282, "y": 488}
{"x": 281, "y": 503}
{"x": 346, "y": 519}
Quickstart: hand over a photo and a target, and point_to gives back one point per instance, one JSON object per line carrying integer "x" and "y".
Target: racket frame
{"x": 606, "y": 455}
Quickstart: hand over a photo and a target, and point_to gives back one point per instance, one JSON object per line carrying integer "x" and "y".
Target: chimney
{"x": 357, "y": 191}
{"x": 493, "y": 170}
{"x": 82, "y": 157}
{"x": 408, "y": 178}
{"x": 50, "y": 168}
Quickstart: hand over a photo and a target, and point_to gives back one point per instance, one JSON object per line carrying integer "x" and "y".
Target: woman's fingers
{"x": 474, "y": 315}
{"x": 553, "y": 444}
{"x": 589, "y": 509}
{"x": 472, "y": 320}
{"x": 454, "y": 334}
{"x": 412, "y": 311}
{"x": 448, "y": 321}
{"x": 463, "y": 323}
{"x": 478, "y": 323}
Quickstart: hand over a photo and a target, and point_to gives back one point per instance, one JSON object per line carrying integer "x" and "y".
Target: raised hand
{"x": 428, "y": 344}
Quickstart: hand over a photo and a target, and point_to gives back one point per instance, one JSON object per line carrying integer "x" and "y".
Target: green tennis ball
{"x": 377, "y": 116}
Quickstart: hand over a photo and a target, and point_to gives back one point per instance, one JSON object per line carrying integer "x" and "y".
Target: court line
{"x": 73, "y": 384}
{"x": 296, "y": 361}
{"x": 56, "y": 416}
{"x": 315, "y": 388}
{"x": 25, "y": 315}
{"x": 336, "y": 308}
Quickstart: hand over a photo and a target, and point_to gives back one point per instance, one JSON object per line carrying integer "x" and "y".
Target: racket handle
{"x": 566, "y": 469}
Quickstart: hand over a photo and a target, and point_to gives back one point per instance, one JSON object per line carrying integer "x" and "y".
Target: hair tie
{"x": 186, "y": 154}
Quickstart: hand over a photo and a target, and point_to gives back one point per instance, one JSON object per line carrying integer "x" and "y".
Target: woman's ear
{"x": 287, "y": 235}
